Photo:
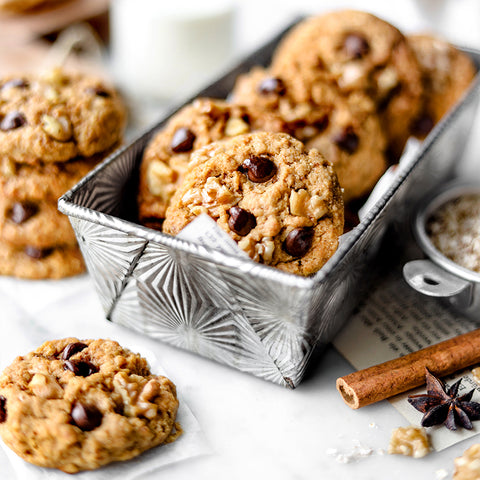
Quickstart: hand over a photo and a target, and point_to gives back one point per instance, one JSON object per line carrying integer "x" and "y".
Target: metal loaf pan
{"x": 249, "y": 316}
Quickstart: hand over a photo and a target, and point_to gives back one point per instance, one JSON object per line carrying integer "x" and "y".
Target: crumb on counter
{"x": 467, "y": 467}
{"x": 411, "y": 441}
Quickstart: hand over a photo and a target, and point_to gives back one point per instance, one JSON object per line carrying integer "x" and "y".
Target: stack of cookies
{"x": 346, "y": 84}
{"x": 54, "y": 129}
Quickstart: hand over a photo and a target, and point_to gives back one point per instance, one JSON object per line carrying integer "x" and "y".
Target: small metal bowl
{"x": 439, "y": 276}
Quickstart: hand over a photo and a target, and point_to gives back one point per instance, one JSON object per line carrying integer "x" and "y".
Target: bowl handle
{"x": 428, "y": 278}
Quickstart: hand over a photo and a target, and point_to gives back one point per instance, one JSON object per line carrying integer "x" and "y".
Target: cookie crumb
{"x": 467, "y": 467}
{"x": 411, "y": 441}
{"x": 441, "y": 474}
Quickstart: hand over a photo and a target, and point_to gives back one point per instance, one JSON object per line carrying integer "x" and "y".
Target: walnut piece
{"x": 387, "y": 80}
{"x": 467, "y": 467}
{"x": 52, "y": 94}
{"x": 351, "y": 76}
{"x": 299, "y": 202}
{"x": 236, "y": 126}
{"x": 264, "y": 250}
{"x": 55, "y": 76}
{"x": 138, "y": 394}
{"x": 212, "y": 198}
{"x": 411, "y": 441}
{"x": 304, "y": 205}
{"x": 8, "y": 168}
{"x": 45, "y": 386}
{"x": 160, "y": 178}
{"x": 58, "y": 128}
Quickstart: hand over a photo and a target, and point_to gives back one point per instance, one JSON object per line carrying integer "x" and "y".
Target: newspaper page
{"x": 394, "y": 320}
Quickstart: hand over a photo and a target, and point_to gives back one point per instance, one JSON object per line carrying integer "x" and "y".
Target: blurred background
{"x": 160, "y": 52}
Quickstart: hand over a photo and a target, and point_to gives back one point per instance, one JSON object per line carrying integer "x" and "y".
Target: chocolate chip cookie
{"x": 28, "y": 201}
{"x": 35, "y": 263}
{"x": 77, "y": 405}
{"x": 166, "y": 158}
{"x": 358, "y": 52}
{"x": 288, "y": 104}
{"x": 57, "y": 117}
{"x": 446, "y": 74}
{"x": 346, "y": 130}
{"x": 281, "y": 203}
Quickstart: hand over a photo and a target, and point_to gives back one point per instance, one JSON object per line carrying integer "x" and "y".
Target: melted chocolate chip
{"x": 72, "y": 349}
{"x": 182, "y": 140}
{"x": 241, "y": 221}
{"x": 298, "y": 241}
{"x": 12, "y": 120}
{"x": 258, "y": 169}
{"x": 347, "y": 140}
{"x": 356, "y": 46}
{"x": 272, "y": 85}
{"x": 3, "y": 409}
{"x": 321, "y": 124}
{"x": 21, "y": 212}
{"x": 86, "y": 417}
{"x": 37, "y": 253}
{"x": 16, "y": 83}
{"x": 99, "y": 92}
{"x": 80, "y": 368}
{"x": 423, "y": 125}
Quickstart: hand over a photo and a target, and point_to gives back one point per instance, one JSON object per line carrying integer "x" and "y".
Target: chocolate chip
{"x": 16, "y": 83}
{"x": 321, "y": 124}
{"x": 272, "y": 85}
{"x": 423, "y": 125}
{"x": 80, "y": 368}
{"x": 347, "y": 140}
{"x": 182, "y": 140}
{"x": 258, "y": 169}
{"x": 12, "y": 120}
{"x": 72, "y": 349}
{"x": 241, "y": 221}
{"x": 3, "y": 409}
{"x": 99, "y": 92}
{"x": 86, "y": 417}
{"x": 37, "y": 253}
{"x": 20, "y": 212}
{"x": 298, "y": 241}
{"x": 356, "y": 46}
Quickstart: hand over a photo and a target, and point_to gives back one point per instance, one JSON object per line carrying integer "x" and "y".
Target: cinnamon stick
{"x": 404, "y": 373}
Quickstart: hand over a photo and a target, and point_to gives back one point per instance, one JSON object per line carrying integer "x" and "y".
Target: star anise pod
{"x": 442, "y": 405}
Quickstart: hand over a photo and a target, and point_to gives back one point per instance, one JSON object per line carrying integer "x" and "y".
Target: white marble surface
{"x": 252, "y": 429}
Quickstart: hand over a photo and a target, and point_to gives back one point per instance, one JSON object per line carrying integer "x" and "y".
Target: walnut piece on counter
{"x": 411, "y": 441}
{"x": 467, "y": 467}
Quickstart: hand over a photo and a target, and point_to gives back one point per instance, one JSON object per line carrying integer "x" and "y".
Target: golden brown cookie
{"x": 20, "y": 6}
{"x": 281, "y": 203}
{"x": 28, "y": 201}
{"x": 166, "y": 158}
{"x": 77, "y": 405}
{"x": 288, "y": 104}
{"x": 346, "y": 131}
{"x": 57, "y": 117}
{"x": 357, "y": 52}
{"x": 446, "y": 74}
{"x": 35, "y": 263}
